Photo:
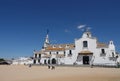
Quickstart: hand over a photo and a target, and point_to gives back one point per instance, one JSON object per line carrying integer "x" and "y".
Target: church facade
{"x": 86, "y": 50}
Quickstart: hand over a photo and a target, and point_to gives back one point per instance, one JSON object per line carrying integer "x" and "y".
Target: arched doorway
{"x": 86, "y": 60}
{"x": 45, "y": 62}
{"x": 53, "y": 61}
{"x": 34, "y": 61}
{"x": 48, "y": 61}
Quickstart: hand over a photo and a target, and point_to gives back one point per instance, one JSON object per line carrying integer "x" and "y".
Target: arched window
{"x": 64, "y": 53}
{"x": 39, "y": 55}
{"x": 85, "y": 44}
{"x": 49, "y": 61}
{"x": 112, "y": 54}
{"x": 38, "y": 60}
{"x": 87, "y": 35}
{"x": 35, "y": 55}
{"x": 50, "y": 52}
{"x": 70, "y": 51}
{"x": 53, "y": 61}
{"x": 45, "y": 62}
{"x": 103, "y": 51}
{"x": 34, "y": 61}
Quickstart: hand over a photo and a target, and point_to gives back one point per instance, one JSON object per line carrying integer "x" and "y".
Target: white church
{"x": 86, "y": 50}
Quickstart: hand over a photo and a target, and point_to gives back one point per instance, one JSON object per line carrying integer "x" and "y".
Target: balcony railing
{"x": 103, "y": 54}
{"x": 69, "y": 55}
{"x": 113, "y": 58}
{"x": 36, "y": 57}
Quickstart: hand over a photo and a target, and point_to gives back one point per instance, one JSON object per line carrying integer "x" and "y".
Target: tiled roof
{"x": 46, "y": 56}
{"x": 49, "y": 55}
{"x": 60, "y": 56}
{"x": 100, "y": 45}
{"x": 39, "y": 52}
{"x": 54, "y": 49}
{"x": 60, "y": 47}
{"x": 86, "y": 52}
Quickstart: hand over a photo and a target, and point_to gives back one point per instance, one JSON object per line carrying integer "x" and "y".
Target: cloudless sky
{"x": 23, "y": 23}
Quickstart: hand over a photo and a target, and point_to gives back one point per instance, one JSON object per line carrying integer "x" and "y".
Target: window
{"x": 103, "y": 51}
{"x": 87, "y": 35}
{"x": 35, "y": 55}
{"x": 45, "y": 62}
{"x": 85, "y": 44}
{"x": 70, "y": 51}
{"x": 38, "y": 60}
{"x": 112, "y": 54}
{"x": 39, "y": 55}
{"x": 64, "y": 53}
{"x": 34, "y": 61}
{"x": 74, "y": 46}
{"x": 49, "y": 61}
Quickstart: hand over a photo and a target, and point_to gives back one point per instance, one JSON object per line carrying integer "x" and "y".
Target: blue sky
{"x": 23, "y": 23}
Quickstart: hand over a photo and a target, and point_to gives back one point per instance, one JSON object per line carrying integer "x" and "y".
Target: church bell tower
{"x": 46, "y": 42}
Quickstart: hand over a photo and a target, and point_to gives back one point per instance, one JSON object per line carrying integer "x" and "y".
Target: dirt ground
{"x": 42, "y": 73}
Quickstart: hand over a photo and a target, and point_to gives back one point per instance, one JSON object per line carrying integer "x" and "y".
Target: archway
{"x": 45, "y": 62}
{"x": 53, "y": 61}
{"x": 34, "y": 61}
{"x": 48, "y": 61}
{"x": 86, "y": 60}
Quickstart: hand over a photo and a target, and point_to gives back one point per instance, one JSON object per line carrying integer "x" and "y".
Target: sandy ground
{"x": 41, "y": 73}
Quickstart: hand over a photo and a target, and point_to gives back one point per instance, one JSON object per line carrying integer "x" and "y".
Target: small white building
{"x": 84, "y": 51}
{"x": 22, "y": 61}
{"x": 118, "y": 60}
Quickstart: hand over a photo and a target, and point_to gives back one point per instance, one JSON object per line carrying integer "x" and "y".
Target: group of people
{"x": 51, "y": 64}
{"x": 52, "y": 67}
